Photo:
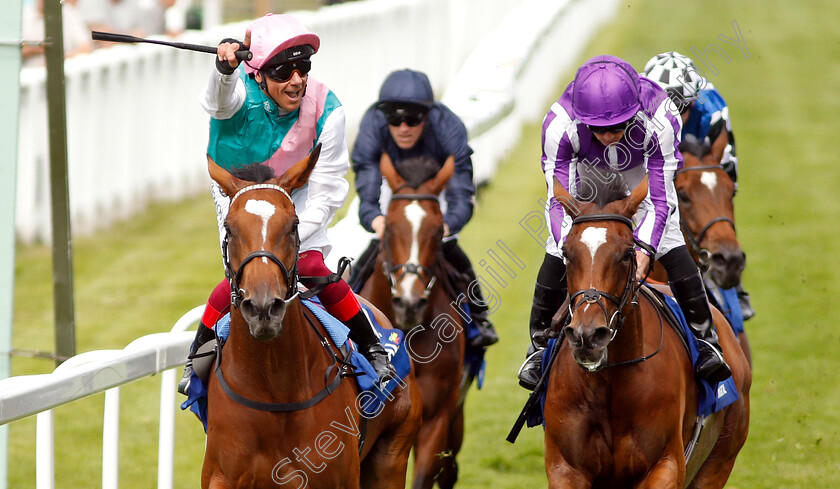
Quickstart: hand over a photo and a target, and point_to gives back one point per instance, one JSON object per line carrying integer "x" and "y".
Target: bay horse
{"x": 621, "y": 401}
{"x": 409, "y": 285}
{"x": 707, "y": 217}
{"x": 295, "y": 419}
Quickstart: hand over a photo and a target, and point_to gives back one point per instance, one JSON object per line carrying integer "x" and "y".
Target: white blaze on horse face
{"x": 593, "y": 238}
{"x": 709, "y": 179}
{"x": 264, "y": 210}
{"x": 414, "y": 214}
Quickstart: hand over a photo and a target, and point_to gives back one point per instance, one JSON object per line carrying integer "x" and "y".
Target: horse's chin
{"x": 590, "y": 359}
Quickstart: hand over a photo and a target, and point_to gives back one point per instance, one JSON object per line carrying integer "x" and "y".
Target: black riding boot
{"x": 547, "y": 299}
{"x": 747, "y": 310}
{"x": 362, "y": 270}
{"x": 362, "y": 332}
{"x": 691, "y": 296}
{"x": 478, "y": 308}
{"x": 202, "y": 335}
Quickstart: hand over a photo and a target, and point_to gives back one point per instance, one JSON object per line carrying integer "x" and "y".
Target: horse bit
{"x": 703, "y": 254}
{"x": 408, "y": 267}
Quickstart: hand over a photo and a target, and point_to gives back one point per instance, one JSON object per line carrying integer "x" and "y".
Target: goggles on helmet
{"x": 283, "y": 72}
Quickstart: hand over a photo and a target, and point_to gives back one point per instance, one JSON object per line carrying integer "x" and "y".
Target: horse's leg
{"x": 431, "y": 450}
{"x": 563, "y": 476}
{"x": 449, "y": 471}
{"x": 745, "y": 345}
{"x": 386, "y": 464}
{"x": 667, "y": 473}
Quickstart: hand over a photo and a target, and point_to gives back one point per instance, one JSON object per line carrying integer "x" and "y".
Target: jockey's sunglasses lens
{"x": 612, "y": 129}
{"x": 283, "y": 72}
{"x": 413, "y": 119}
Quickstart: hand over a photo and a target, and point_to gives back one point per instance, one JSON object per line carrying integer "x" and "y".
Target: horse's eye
{"x": 629, "y": 254}
{"x": 684, "y": 198}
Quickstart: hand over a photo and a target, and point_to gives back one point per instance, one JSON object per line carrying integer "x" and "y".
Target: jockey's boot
{"x": 363, "y": 333}
{"x": 468, "y": 282}
{"x": 691, "y": 296}
{"x": 543, "y": 308}
{"x": 486, "y": 332}
{"x": 747, "y": 310}
{"x": 361, "y": 272}
{"x": 202, "y": 335}
{"x": 547, "y": 299}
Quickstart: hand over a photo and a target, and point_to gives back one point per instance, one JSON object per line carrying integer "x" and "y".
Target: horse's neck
{"x": 290, "y": 355}
{"x": 631, "y": 340}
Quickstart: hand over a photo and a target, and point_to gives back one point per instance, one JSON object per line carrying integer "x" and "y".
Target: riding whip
{"x": 241, "y": 55}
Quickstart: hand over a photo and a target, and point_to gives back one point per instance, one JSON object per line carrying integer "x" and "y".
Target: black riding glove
{"x": 222, "y": 65}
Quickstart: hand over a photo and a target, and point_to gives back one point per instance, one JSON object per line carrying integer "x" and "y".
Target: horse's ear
{"x": 438, "y": 182}
{"x": 565, "y": 199}
{"x": 229, "y": 183}
{"x": 719, "y": 146}
{"x": 298, "y": 174}
{"x": 386, "y": 167}
{"x": 637, "y": 196}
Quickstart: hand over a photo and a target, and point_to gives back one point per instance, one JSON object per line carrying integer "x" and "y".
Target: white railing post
{"x": 44, "y": 451}
{"x": 111, "y": 440}
{"x": 166, "y": 435}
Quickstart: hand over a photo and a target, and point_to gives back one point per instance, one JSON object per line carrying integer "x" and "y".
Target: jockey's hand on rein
{"x": 642, "y": 264}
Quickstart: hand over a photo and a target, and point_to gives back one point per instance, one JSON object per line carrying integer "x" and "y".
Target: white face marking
{"x": 415, "y": 214}
{"x": 709, "y": 179}
{"x": 264, "y": 211}
{"x": 593, "y": 238}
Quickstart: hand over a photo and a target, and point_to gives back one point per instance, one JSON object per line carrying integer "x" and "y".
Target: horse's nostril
{"x": 248, "y": 308}
{"x": 601, "y": 337}
{"x": 278, "y": 307}
{"x": 718, "y": 259}
{"x": 571, "y": 335}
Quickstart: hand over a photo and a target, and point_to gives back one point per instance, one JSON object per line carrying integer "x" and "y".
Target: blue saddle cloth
{"x": 711, "y": 399}
{"x": 375, "y": 395}
{"x": 727, "y": 301}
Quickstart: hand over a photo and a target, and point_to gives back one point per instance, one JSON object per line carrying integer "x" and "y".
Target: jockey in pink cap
{"x": 611, "y": 121}
{"x": 272, "y": 113}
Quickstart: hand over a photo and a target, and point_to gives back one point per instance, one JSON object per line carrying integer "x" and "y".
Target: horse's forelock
{"x": 417, "y": 169}
{"x": 255, "y": 172}
{"x": 603, "y": 188}
{"x": 694, "y": 146}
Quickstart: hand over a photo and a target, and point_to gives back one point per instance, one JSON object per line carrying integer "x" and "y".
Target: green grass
{"x": 141, "y": 276}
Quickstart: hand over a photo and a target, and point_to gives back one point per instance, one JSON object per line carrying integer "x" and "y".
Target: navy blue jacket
{"x": 443, "y": 135}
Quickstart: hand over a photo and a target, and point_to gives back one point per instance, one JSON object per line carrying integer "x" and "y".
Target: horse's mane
{"x": 255, "y": 172}
{"x": 417, "y": 169}
{"x": 602, "y": 186}
{"x": 690, "y": 144}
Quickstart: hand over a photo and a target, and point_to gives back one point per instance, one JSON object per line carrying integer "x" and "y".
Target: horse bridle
{"x": 408, "y": 268}
{"x": 290, "y": 274}
{"x": 694, "y": 241}
{"x": 593, "y": 295}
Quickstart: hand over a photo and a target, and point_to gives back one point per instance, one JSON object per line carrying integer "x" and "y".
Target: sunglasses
{"x": 283, "y": 72}
{"x": 612, "y": 129}
{"x": 412, "y": 119}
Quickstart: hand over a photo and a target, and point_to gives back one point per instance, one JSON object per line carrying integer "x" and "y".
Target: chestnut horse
{"x": 621, "y": 402}
{"x": 295, "y": 419}
{"x": 408, "y": 285}
{"x": 707, "y": 216}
